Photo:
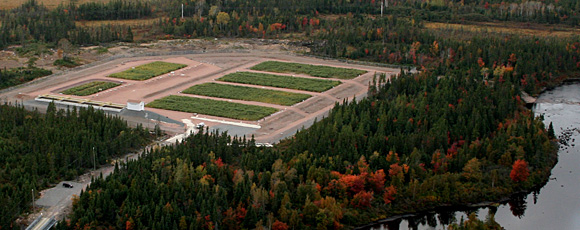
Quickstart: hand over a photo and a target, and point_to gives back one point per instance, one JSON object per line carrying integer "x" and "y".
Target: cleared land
{"x": 90, "y": 88}
{"x": 212, "y": 107}
{"x": 11, "y": 4}
{"x": 299, "y": 83}
{"x": 144, "y": 72}
{"x": 202, "y": 68}
{"x": 520, "y": 28}
{"x": 312, "y": 70}
{"x": 247, "y": 93}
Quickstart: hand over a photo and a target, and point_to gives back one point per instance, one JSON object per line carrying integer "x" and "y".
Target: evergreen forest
{"x": 455, "y": 131}
{"x": 38, "y": 150}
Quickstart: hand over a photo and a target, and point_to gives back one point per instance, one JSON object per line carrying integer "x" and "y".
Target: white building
{"x": 135, "y": 105}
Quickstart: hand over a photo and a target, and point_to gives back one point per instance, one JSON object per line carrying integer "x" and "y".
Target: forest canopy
{"x": 38, "y": 150}
{"x": 456, "y": 132}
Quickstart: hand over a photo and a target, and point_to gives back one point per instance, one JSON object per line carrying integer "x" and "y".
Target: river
{"x": 554, "y": 206}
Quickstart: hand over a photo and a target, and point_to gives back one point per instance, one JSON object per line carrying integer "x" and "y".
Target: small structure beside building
{"x": 135, "y": 105}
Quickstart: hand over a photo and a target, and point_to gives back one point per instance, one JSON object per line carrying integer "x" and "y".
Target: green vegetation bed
{"x": 212, "y": 107}
{"x": 150, "y": 70}
{"x": 247, "y": 93}
{"x": 300, "y": 83}
{"x": 90, "y": 88}
{"x": 312, "y": 70}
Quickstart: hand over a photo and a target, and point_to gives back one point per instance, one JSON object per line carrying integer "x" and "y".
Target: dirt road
{"x": 56, "y": 202}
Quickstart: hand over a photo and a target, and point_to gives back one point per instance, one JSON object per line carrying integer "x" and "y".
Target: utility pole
{"x": 94, "y": 160}
{"x": 181, "y": 10}
{"x": 382, "y": 4}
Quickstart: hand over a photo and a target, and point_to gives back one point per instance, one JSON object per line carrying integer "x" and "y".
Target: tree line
{"x": 252, "y": 18}
{"x": 38, "y": 150}
{"x": 112, "y": 10}
{"x": 33, "y": 22}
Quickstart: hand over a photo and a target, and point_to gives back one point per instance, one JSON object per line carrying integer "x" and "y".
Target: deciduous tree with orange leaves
{"x": 362, "y": 199}
{"x": 278, "y": 225}
{"x": 389, "y": 194}
{"x": 520, "y": 171}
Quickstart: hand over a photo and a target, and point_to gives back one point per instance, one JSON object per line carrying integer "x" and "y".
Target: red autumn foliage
{"x": 362, "y": 199}
{"x": 335, "y": 174}
{"x": 392, "y": 157}
{"x": 438, "y": 162}
{"x": 520, "y": 171}
{"x": 337, "y": 225}
{"x": 272, "y": 195}
{"x": 241, "y": 213}
{"x": 277, "y": 26}
{"x": 395, "y": 169}
{"x": 480, "y": 62}
{"x": 336, "y": 187}
{"x": 512, "y": 58}
{"x": 354, "y": 182}
{"x": 278, "y": 225}
{"x": 524, "y": 81}
{"x": 389, "y": 194}
{"x": 377, "y": 180}
{"x": 229, "y": 219}
{"x": 453, "y": 149}
{"x": 219, "y": 163}
{"x": 129, "y": 225}
{"x": 363, "y": 166}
